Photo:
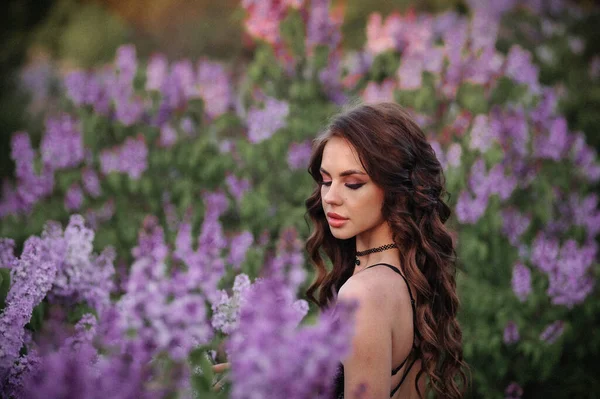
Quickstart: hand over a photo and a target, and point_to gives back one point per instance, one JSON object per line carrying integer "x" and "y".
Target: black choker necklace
{"x": 372, "y": 250}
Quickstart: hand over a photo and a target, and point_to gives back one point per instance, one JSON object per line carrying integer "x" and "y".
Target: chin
{"x": 340, "y": 234}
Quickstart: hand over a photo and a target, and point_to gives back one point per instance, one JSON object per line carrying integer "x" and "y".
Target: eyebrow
{"x": 345, "y": 173}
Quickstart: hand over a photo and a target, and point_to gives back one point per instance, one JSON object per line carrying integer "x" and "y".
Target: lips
{"x": 335, "y": 216}
{"x": 335, "y": 220}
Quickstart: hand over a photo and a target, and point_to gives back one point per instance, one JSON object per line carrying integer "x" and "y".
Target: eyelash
{"x": 350, "y": 186}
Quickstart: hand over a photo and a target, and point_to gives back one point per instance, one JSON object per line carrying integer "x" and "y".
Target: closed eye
{"x": 350, "y": 186}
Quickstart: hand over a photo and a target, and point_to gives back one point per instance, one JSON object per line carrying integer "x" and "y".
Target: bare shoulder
{"x": 375, "y": 287}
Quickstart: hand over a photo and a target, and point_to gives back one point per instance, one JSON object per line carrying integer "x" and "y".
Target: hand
{"x": 220, "y": 368}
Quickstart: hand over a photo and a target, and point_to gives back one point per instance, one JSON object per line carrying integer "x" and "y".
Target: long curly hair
{"x": 397, "y": 157}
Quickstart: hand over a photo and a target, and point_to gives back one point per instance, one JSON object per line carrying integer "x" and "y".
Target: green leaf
{"x": 4, "y": 285}
{"x": 472, "y": 97}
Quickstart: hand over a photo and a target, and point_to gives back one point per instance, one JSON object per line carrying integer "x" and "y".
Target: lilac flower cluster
{"x": 272, "y": 358}
{"x": 62, "y": 143}
{"x": 83, "y": 276}
{"x": 470, "y": 207}
{"x": 30, "y": 186}
{"x": 323, "y": 27}
{"x": 238, "y": 248}
{"x": 164, "y": 314}
{"x": 553, "y": 331}
{"x": 237, "y": 187}
{"x": 226, "y": 310}
{"x": 511, "y": 333}
{"x": 32, "y": 276}
{"x": 288, "y": 264}
{"x": 521, "y": 281}
{"x": 513, "y": 391}
{"x": 131, "y": 158}
{"x": 299, "y": 154}
{"x": 263, "y": 123}
{"x": 568, "y": 268}
{"x": 205, "y": 266}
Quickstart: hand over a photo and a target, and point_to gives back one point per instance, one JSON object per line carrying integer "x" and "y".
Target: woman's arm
{"x": 370, "y": 360}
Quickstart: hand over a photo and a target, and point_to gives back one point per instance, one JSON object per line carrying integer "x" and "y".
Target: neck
{"x": 376, "y": 237}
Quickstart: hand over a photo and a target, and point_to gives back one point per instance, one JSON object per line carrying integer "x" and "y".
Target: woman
{"x": 379, "y": 216}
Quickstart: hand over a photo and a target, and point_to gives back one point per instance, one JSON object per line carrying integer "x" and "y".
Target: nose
{"x": 331, "y": 195}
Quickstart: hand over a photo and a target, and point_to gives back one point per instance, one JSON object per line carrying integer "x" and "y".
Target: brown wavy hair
{"x": 396, "y": 155}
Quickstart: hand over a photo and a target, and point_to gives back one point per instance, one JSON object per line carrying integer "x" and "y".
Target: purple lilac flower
{"x": 7, "y": 253}
{"x": 513, "y": 391}
{"x": 91, "y": 182}
{"x": 263, "y": 123}
{"x": 521, "y": 281}
{"x": 126, "y": 62}
{"x": 330, "y": 78}
{"x": 470, "y": 209}
{"x": 31, "y": 278}
{"x": 514, "y": 224}
{"x": 511, "y": 333}
{"x": 205, "y": 266}
{"x": 585, "y": 212}
{"x": 30, "y": 186}
{"x": 62, "y": 143}
{"x": 168, "y": 135}
{"x": 296, "y": 363}
{"x": 215, "y": 88}
{"x": 237, "y": 187}
{"x": 288, "y": 264}
{"x": 226, "y": 310}
{"x": 151, "y": 241}
{"x": 555, "y": 144}
{"x": 322, "y": 27}
{"x": 299, "y": 154}
{"x": 571, "y": 281}
{"x": 410, "y": 73}
{"x": 375, "y": 93}
{"x": 513, "y": 129}
{"x": 73, "y": 197}
{"x": 500, "y": 183}
{"x": 130, "y": 158}
{"x": 521, "y": 69}
{"x": 482, "y": 134}
{"x": 585, "y": 158}
{"x": 20, "y": 371}
{"x": 238, "y": 247}
{"x": 478, "y": 179}
{"x": 544, "y": 253}
{"x": 454, "y": 154}
{"x": 82, "y": 373}
{"x": 167, "y": 314}
{"x": 484, "y": 30}
{"x": 82, "y": 275}
{"x": 156, "y": 72}
{"x": 129, "y": 110}
{"x": 553, "y": 331}
{"x": 187, "y": 125}
{"x": 76, "y": 84}
{"x": 439, "y": 153}
{"x": 183, "y": 71}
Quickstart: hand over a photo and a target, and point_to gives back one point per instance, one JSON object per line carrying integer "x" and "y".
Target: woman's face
{"x": 348, "y": 191}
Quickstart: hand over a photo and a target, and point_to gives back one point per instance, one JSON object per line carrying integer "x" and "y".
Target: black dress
{"x": 339, "y": 378}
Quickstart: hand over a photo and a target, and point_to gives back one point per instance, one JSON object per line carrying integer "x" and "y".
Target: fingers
{"x": 219, "y": 385}
{"x": 221, "y": 367}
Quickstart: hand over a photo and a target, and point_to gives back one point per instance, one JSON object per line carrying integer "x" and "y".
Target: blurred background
{"x": 533, "y": 79}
